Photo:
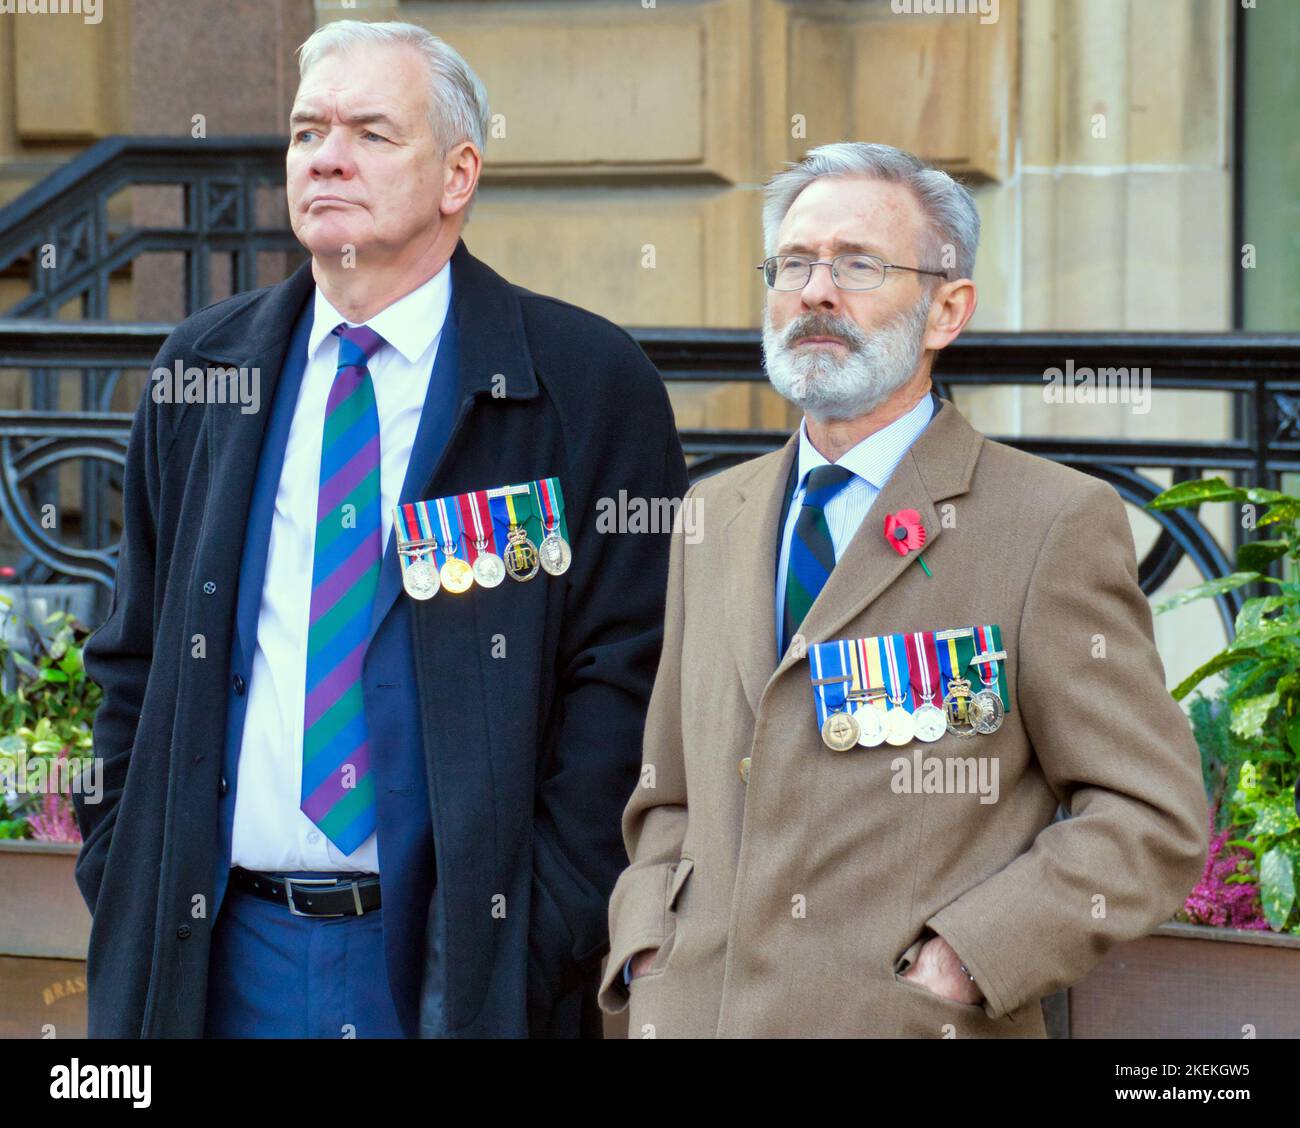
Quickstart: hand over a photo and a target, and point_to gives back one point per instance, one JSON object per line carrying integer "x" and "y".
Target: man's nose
{"x": 334, "y": 156}
{"x": 821, "y": 291}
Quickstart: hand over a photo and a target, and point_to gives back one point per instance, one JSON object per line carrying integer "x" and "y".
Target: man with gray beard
{"x": 779, "y": 885}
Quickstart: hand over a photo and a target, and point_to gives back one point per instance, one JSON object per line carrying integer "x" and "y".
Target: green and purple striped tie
{"x": 338, "y": 787}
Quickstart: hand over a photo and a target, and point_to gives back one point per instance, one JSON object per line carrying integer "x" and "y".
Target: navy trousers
{"x": 276, "y": 975}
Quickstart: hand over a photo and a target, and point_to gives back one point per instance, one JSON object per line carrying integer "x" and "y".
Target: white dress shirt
{"x": 270, "y": 831}
{"x": 872, "y": 461}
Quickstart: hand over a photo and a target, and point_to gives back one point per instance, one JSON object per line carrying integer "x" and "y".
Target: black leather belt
{"x": 312, "y": 896}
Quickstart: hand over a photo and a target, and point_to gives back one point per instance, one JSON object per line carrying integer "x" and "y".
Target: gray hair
{"x": 458, "y": 102}
{"x": 949, "y": 208}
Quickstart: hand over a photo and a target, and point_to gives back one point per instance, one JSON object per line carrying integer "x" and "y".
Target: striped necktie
{"x": 338, "y": 787}
{"x": 812, "y": 552}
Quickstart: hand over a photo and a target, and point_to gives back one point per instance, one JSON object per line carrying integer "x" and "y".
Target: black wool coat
{"x": 528, "y": 779}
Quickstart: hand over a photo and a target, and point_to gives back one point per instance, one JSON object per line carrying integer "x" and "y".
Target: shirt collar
{"x": 410, "y": 324}
{"x": 876, "y": 457}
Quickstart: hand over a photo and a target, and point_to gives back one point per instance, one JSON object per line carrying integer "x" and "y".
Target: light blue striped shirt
{"x": 872, "y": 461}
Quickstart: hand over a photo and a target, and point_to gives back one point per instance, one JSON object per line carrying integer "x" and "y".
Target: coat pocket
{"x": 678, "y": 881}
{"x": 909, "y": 957}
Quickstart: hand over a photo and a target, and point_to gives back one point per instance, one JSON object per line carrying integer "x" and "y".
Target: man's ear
{"x": 952, "y": 307}
{"x": 461, "y": 171}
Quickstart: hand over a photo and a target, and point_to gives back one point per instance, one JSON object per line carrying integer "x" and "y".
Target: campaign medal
{"x": 957, "y": 697}
{"x": 870, "y": 713}
{"x": 489, "y": 568}
{"x": 554, "y": 551}
{"x": 899, "y": 727}
{"x": 420, "y": 579}
{"x": 986, "y": 707}
{"x": 840, "y": 732}
{"x": 839, "y": 728}
{"x": 520, "y": 554}
{"x": 456, "y": 575}
{"x": 923, "y": 664}
{"x": 419, "y": 576}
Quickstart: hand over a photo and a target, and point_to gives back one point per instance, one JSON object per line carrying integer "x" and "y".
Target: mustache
{"x": 821, "y": 325}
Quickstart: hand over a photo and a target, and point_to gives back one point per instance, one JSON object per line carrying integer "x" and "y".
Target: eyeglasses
{"x": 848, "y": 272}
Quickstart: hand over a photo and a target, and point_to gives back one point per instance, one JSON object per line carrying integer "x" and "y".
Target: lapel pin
{"x": 904, "y": 532}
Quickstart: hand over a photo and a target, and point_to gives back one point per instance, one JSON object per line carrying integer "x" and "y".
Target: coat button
{"x": 239, "y": 684}
{"x": 744, "y": 769}
{"x": 183, "y": 933}
{"x": 221, "y": 787}
{"x": 209, "y": 587}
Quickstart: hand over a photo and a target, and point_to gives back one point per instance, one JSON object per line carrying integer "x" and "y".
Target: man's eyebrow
{"x": 840, "y": 246}
{"x": 310, "y": 114}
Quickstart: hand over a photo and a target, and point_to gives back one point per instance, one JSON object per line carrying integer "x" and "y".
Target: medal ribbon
{"x": 989, "y": 639}
{"x": 512, "y": 510}
{"x": 541, "y": 491}
{"x": 869, "y": 650}
{"x": 501, "y": 517}
{"x": 467, "y": 505}
{"x": 447, "y": 543}
{"x": 855, "y": 671}
{"x": 837, "y": 694}
{"x": 946, "y": 649}
{"x": 404, "y": 520}
{"x": 828, "y": 660}
{"x": 817, "y": 668}
{"x": 557, "y": 504}
{"x": 425, "y": 531}
{"x": 894, "y": 651}
{"x": 924, "y": 664}
{"x": 815, "y": 671}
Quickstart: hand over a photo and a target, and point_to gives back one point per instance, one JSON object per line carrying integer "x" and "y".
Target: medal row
{"x": 481, "y": 537}
{"x": 920, "y": 685}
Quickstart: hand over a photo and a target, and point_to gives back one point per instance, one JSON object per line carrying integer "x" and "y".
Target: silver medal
{"x": 871, "y": 725}
{"x": 555, "y": 554}
{"x": 420, "y": 579}
{"x": 987, "y": 711}
{"x": 489, "y": 569}
{"x": 930, "y": 721}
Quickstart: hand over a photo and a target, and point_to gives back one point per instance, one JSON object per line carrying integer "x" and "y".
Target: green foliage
{"x": 1249, "y": 735}
{"x": 46, "y": 708}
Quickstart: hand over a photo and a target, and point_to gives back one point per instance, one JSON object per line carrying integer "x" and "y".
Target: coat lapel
{"x": 937, "y": 466}
{"x": 751, "y": 585}
{"x": 252, "y": 336}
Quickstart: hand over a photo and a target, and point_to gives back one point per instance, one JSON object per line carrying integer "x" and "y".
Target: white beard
{"x": 825, "y": 387}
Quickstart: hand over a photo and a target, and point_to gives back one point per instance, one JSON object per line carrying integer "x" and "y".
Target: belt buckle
{"x": 289, "y": 884}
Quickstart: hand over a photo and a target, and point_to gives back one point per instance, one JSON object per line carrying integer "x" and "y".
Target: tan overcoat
{"x": 788, "y": 905}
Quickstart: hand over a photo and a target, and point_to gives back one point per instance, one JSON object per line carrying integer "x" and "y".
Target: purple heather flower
{"x": 1217, "y": 903}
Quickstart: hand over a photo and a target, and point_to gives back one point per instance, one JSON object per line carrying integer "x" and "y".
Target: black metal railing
{"x": 1256, "y": 378}
{"x": 64, "y": 237}
{"x": 69, "y": 235}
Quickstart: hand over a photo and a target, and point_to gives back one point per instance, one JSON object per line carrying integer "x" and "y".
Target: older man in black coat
{"x": 456, "y": 882}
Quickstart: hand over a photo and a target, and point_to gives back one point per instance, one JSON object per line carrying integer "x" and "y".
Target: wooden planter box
{"x": 1192, "y": 981}
{"x": 44, "y": 931}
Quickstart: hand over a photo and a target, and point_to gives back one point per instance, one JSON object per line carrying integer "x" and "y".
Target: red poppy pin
{"x": 904, "y": 532}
